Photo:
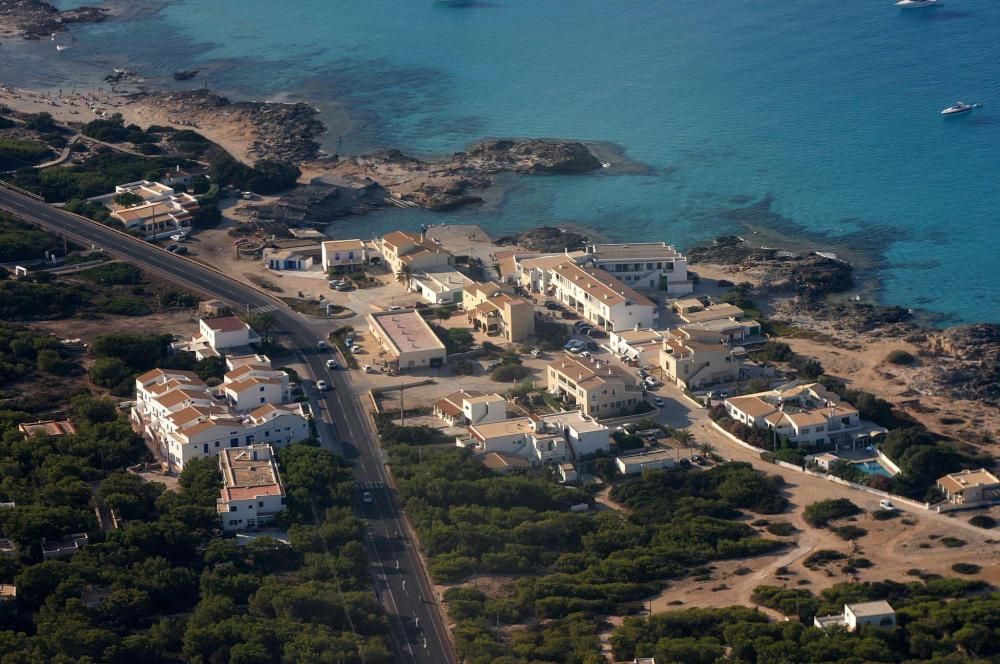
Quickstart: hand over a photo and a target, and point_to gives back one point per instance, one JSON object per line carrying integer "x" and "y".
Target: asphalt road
{"x": 418, "y": 633}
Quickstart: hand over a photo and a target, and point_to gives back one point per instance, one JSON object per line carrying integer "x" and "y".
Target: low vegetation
{"x": 821, "y": 513}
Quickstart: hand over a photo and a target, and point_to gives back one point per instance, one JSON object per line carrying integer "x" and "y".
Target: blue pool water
{"x": 808, "y": 118}
{"x": 872, "y": 468}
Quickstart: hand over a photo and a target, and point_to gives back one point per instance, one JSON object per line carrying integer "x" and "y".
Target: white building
{"x": 215, "y": 334}
{"x": 640, "y": 346}
{"x": 407, "y": 340}
{"x": 161, "y": 212}
{"x": 601, "y": 298}
{"x": 344, "y": 255}
{"x": 188, "y": 420}
{"x": 643, "y": 265}
{"x": 875, "y": 614}
{"x": 636, "y": 463}
{"x": 552, "y": 438}
{"x": 471, "y": 407}
{"x": 807, "y": 414}
{"x": 252, "y": 385}
{"x": 252, "y": 493}
{"x": 440, "y": 285}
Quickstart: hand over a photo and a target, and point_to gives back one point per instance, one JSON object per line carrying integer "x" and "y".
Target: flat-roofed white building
{"x": 642, "y": 265}
{"x": 440, "y": 285}
{"x": 250, "y": 386}
{"x": 641, "y": 346}
{"x": 634, "y": 464}
{"x": 693, "y": 310}
{"x": 218, "y": 334}
{"x": 407, "y": 339}
{"x": 601, "y": 298}
{"x": 252, "y": 493}
{"x": 875, "y": 614}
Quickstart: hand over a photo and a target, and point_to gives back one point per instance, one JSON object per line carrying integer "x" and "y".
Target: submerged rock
{"x": 35, "y": 18}
{"x": 531, "y": 156}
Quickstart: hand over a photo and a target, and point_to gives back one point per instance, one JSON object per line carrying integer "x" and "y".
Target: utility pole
{"x": 402, "y": 410}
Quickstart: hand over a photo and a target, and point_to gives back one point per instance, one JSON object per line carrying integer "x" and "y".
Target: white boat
{"x": 60, "y": 47}
{"x": 914, "y": 4}
{"x": 959, "y": 107}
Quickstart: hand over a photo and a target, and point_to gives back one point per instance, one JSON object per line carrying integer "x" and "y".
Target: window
{"x": 261, "y": 388}
{"x": 232, "y": 508}
{"x": 216, "y": 443}
{"x": 260, "y": 503}
{"x": 204, "y": 448}
{"x": 233, "y": 522}
{"x": 233, "y": 442}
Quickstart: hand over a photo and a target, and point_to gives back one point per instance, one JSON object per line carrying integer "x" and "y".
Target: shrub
{"x": 781, "y": 529}
{"x": 884, "y": 515}
{"x": 952, "y": 542}
{"x": 821, "y": 513}
{"x": 822, "y": 557}
{"x": 849, "y": 532}
{"x": 114, "y": 274}
{"x": 507, "y": 373}
{"x": 16, "y": 153}
{"x": 983, "y": 521}
{"x": 966, "y": 568}
{"x": 900, "y": 357}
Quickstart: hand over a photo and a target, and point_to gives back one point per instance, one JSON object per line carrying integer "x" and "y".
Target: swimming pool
{"x": 872, "y": 467}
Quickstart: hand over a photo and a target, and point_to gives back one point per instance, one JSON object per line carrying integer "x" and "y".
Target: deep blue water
{"x": 828, "y": 112}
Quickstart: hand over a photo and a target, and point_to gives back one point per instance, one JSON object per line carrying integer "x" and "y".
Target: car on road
{"x": 331, "y": 364}
{"x": 366, "y": 498}
{"x": 658, "y": 401}
{"x": 322, "y": 385}
{"x": 322, "y": 345}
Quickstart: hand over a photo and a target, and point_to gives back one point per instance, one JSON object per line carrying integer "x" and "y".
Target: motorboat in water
{"x": 959, "y": 107}
{"x": 914, "y": 4}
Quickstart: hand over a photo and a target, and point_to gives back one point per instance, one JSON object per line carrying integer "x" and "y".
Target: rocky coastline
{"x": 35, "y": 19}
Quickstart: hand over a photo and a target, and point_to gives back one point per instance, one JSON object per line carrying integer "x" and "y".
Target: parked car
{"x": 597, "y": 333}
{"x": 718, "y": 394}
{"x": 642, "y": 373}
{"x": 569, "y": 315}
{"x": 331, "y": 364}
{"x": 369, "y": 369}
{"x": 535, "y": 352}
{"x": 587, "y": 354}
{"x": 181, "y": 250}
{"x": 172, "y": 247}
{"x": 178, "y": 237}
{"x": 396, "y": 308}
{"x": 572, "y": 343}
{"x": 322, "y": 385}
{"x": 658, "y": 401}
{"x": 650, "y": 381}
{"x": 553, "y": 306}
{"x": 580, "y": 323}
{"x": 886, "y": 505}
{"x": 356, "y": 349}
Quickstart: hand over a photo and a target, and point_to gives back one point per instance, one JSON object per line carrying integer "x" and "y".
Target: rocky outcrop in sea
{"x": 33, "y": 19}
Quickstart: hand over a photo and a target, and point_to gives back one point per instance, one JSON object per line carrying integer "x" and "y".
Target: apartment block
{"x": 598, "y": 390}
{"x": 642, "y": 265}
{"x": 344, "y": 255}
{"x": 601, "y": 298}
{"x": 551, "y": 438}
{"x": 491, "y": 310}
{"x": 406, "y": 251}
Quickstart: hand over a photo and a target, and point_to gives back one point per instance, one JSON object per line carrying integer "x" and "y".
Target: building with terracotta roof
{"x": 162, "y": 211}
{"x": 252, "y": 493}
{"x": 806, "y": 414}
{"x": 598, "y": 390}
{"x": 404, "y": 251}
{"x": 340, "y": 256}
{"x": 645, "y": 265}
{"x": 407, "y": 339}
{"x": 490, "y": 309}
{"x": 8, "y": 592}
{"x": 188, "y": 420}
{"x": 970, "y": 487}
{"x": 600, "y": 298}
{"x": 44, "y": 428}
{"x": 551, "y": 438}
{"x": 697, "y": 361}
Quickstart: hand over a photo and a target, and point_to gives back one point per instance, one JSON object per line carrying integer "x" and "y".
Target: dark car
{"x": 597, "y": 333}
{"x": 553, "y": 305}
{"x": 181, "y": 250}
{"x": 172, "y": 247}
{"x": 569, "y": 315}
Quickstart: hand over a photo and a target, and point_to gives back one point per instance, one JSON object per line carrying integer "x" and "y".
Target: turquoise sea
{"x": 812, "y": 119}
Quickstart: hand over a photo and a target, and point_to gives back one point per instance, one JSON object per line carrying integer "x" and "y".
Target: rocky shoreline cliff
{"x": 34, "y": 19}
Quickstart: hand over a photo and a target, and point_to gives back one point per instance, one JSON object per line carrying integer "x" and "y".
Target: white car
{"x": 886, "y": 505}
{"x": 356, "y": 349}
{"x": 366, "y": 498}
{"x": 322, "y": 345}
{"x": 322, "y": 385}
{"x": 586, "y": 353}
{"x": 178, "y": 237}
{"x": 650, "y": 381}
{"x": 331, "y": 364}
{"x": 658, "y": 401}
{"x": 396, "y": 308}
{"x": 369, "y": 369}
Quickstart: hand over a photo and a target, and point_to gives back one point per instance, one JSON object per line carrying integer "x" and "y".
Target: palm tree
{"x": 262, "y": 323}
{"x": 404, "y": 274}
{"x": 683, "y": 437}
{"x": 706, "y": 449}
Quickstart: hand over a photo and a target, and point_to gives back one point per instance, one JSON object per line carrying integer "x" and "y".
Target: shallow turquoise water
{"x": 828, "y": 110}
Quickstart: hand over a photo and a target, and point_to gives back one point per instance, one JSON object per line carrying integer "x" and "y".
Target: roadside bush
{"x": 953, "y": 542}
{"x": 885, "y": 515}
{"x": 114, "y": 274}
{"x": 109, "y": 372}
{"x": 900, "y": 357}
{"x": 822, "y": 557}
{"x": 821, "y": 513}
{"x": 966, "y": 568}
